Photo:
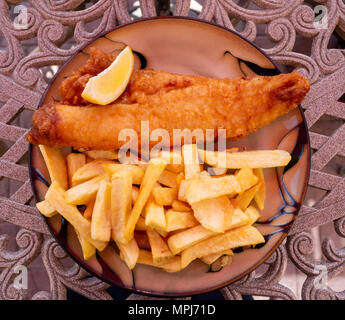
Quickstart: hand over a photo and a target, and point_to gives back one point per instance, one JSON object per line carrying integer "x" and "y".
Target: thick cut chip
{"x": 87, "y": 248}
{"x": 237, "y": 219}
{"x": 135, "y": 194}
{"x": 102, "y": 154}
{"x": 155, "y": 216}
{"x": 90, "y": 170}
{"x": 164, "y": 196}
{"x": 168, "y": 178}
{"x": 85, "y": 192}
{"x": 243, "y": 236}
{"x": 191, "y": 161}
{"x": 129, "y": 252}
{"x": 260, "y": 195}
{"x": 178, "y": 205}
{"x": 252, "y": 159}
{"x": 100, "y": 223}
{"x": 55, "y": 196}
{"x": 246, "y": 178}
{"x": 142, "y": 240}
{"x": 137, "y": 172}
{"x": 46, "y": 208}
{"x": 211, "y": 212}
{"x": 141, "y": 225}
{"x": 201, "y": 189}
{"x": 210, "y": 258}
{"x": 56, "y": 165}
{"x": 176, "y": 220}
{"x": 74, "y": 162}
{"x": 244, "y": 199}
{"x": 89, "y": 209}
{"x": 152, "y": 173}
{"x": 174, "y": 159}
{"x": 186, "y": 238}
{"x": 252, "y": 214}
{"x": 121, "y": 199}
{"x": 160, "y": 250}
{"x": 174, "y": 265}
{"x": 182, "y": 190}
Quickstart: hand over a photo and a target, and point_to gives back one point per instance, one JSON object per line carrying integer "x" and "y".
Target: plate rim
{"x": 190, "y": 292}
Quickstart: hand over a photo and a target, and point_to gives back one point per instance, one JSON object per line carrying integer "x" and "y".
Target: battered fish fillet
{"x": 169, "y": 101}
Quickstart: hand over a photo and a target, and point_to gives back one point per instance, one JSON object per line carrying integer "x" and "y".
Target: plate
{"x": 188, "y": 46}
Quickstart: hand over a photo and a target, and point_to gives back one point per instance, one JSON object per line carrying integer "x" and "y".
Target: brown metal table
{"x": 305, "y": 35}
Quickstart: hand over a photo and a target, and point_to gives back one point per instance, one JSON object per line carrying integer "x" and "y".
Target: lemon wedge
{"x": 108, "y": 85}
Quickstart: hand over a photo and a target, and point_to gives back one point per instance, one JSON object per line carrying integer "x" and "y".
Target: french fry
{"x": 46, "y": 208}
{"x": 178, "y": 205}
{"x": 260, "y": 195}
{"x": 245, "y": 198}
{"x": 56, "y": 165}
{"x": 243, "y": 236}
{"x": 217, "y": 171}
{"x": 152, "y": 173}
{"x": 137, "y": 172}
{"x": 87, "y": 248}
{"x": 162, "y": 233}
{"x": 100, "y": 223}
{"x": 83, "y": 193}
{"x": 246, "y": 178}
{"x": 135, "y": 194}
{"x": 89, "y": 209}
{"x": 160, "y": 250}
{"x": 74, "y": 162}
{"x": 237, "y": 219}
{"x": 142, "y": 240}
{"x": 204, "y": 174}
{"x": 179, "y": 220}
{"x": 88, "y": 171}
{"x": 210, "y": 258}
{"x": 253, "y": 214}
{"x": 182, "y": 191}
{"x": 129, "y": 252}
{"x": 102, "y": 154}
{"x": 186, "y": 238}
{"x": 174, "y": 160}
{"x": 191, "y": 161}
{"x": 252, "y": 159}
{"x": 211, "y": 212}
{"x": 168, "y": 178}
{"x": 174, "y": 265}
{"x": 155, "y": 216}
{"x": 201, "y": 189}
{"x": 220, "y": 263}
{"x": 121, "y": 199}
{"x": 55, "y": 196}
{"x": 164, "y": 196}
{"x": 141, "y": 225}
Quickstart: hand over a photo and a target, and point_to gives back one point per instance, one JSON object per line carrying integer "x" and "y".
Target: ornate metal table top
{"x": 36, "y": 36}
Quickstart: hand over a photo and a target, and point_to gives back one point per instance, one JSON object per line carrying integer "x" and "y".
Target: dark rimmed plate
{"x": 188, "y": 46}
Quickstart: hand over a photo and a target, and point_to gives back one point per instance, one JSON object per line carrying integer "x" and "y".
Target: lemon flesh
{"x": 108, "y": 85}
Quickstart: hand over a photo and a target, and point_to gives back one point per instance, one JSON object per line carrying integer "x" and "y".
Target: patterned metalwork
{"x": 56, "y": 28}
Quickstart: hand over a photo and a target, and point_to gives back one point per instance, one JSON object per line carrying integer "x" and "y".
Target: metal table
{"x": 307, "y": 36}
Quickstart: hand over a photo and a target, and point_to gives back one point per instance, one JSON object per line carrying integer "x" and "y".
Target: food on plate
{"x": 108, "y": 85}
{"x": 147, "y": 221}
{"x": 168, "y": 101}
{"x": 180, "y": 204}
